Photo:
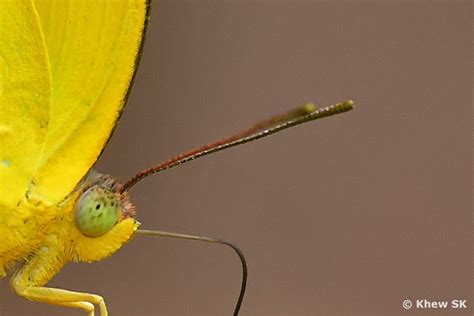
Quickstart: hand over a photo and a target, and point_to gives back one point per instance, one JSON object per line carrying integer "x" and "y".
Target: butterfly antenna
{"x": 243, "y": 285}
{"x": 262, "y": 129}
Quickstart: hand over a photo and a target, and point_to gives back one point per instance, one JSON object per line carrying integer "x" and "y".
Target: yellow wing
{"x": 24, "y": 99}
{"x": 91, "y": 50}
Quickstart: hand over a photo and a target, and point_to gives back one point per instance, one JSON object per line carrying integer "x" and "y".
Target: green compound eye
{"x": 97, "y": 211}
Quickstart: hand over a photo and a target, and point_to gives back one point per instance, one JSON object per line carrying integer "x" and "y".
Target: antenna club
{"x": 309, "y": 107}
{"x": 349, "y": 103}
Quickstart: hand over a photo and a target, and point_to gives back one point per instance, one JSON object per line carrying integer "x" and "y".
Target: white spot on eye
{"x": 5, "y": 163}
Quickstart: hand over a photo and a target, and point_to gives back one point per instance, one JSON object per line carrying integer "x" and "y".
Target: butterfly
{"x": 66, "y": 69}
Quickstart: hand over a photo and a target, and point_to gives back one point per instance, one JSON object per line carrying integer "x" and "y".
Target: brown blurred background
{"x": 350, "y": 215}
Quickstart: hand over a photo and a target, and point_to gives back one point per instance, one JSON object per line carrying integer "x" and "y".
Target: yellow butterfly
{"x": 65, "y": 71}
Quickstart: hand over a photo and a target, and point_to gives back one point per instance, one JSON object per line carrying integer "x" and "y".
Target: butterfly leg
{"x": 88, "y": 307}
{"x": 29, "y": 282}
{"x": 62, "y": 297}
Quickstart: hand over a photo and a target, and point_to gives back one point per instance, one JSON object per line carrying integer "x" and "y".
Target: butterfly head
{"x": 101, "y": 206}
{"x": 103, "y": 218}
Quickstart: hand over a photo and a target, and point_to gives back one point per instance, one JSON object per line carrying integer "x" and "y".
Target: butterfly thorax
{"x": 47, "y": 237}
{"x": 22, "y": 230}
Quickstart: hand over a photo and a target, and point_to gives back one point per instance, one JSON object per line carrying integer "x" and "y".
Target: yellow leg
{"x": 63, "y": 298}
{"x": 30, "y": 279}
{"x": 59, "y": 297}
{"x": 88, "y": 307}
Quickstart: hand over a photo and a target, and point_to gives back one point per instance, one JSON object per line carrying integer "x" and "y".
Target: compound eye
{"x": 97, "y": 212}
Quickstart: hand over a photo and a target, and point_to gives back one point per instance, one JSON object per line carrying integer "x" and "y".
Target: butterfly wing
{"x": 25, "y": 91}
{"x": 91, "y": 48}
